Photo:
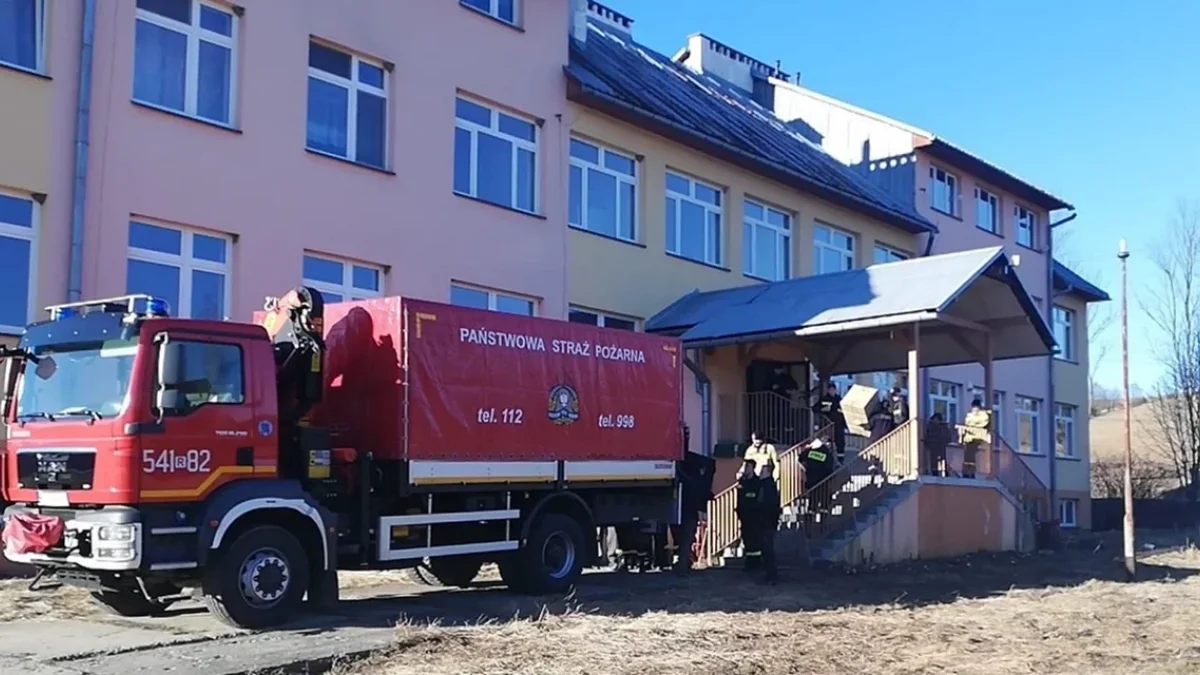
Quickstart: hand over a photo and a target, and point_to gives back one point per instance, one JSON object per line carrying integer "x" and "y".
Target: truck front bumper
{"x": 108, "y": 539}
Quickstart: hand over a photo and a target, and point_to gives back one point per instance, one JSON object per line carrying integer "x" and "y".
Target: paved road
{"x": 189, "y": 642}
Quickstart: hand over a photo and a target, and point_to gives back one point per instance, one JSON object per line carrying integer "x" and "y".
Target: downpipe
{"x": 82, "y": 141}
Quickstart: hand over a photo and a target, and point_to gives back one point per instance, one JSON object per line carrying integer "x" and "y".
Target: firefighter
{"x": 818, "y": 465}
{"x": 830, "y": 406}
{"x": 762, "y": 452}
{"x": 768, "y": 511}
{"x": 975, "y": 436}
{"x": 749, "y": 484}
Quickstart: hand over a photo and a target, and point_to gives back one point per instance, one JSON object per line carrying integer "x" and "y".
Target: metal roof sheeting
{"x": 1067, "y": 281}
{"x": 710, "y": 110}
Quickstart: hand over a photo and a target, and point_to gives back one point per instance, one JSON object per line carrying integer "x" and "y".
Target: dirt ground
{"x": 1066, "y": 613}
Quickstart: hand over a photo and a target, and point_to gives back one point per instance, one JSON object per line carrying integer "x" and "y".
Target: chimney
{"x": 577, "y": 18}
{"x": 610, "y": 20}
{"x": 706, "y": 55}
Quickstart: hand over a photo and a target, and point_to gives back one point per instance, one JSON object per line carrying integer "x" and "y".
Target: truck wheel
{"x": 552, "y": 559}
{"x": 458, "y": 571}
{"x": 259, "y": 580}
{"x": 128, "y": 603}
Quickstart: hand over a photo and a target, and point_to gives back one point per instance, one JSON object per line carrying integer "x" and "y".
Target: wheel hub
{"x": 265, "y": 578}
{"x": 558, "y": 555}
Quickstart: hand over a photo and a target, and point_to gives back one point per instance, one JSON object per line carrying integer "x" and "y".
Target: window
{"x": 1068, "y": 512}
{"x": 185, "y": 57}
{"x": 693, "y": 219}
{"x": 22, "y": 32}
{"x": 209, "y": 372}
{"x": 943, "y": 191}
{"x": 18, "y": 236}
{"x": 602, "y": 319}
{"x": 943, "y": 399}
{"x": 766, "y": 242}
{"x": 497, "y": 301}
{"x": 504, "y": 10}
{"x": 1064, "y": 430}
{"x": 887, "y": 254}
{"x": 340, "y": 280}
{"x": 603, "y": 191}
{"x": 347, "y": 106}
{"x": 884, "y": 381}
{"x": 843, "y": 383}
{"x": 1064, "y": 332}
{"x": 188, "y": 269}
{"x": 495, "y": 156}
{"x": 1028, "y": 415}
{"x": 1026, "y": 226}
{"x": 997, "y": 407}
{"x": 833, "y": 250}
{"x": 987, "y": 211}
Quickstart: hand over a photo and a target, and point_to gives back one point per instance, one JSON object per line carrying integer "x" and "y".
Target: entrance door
{"x": 778, "y": 400}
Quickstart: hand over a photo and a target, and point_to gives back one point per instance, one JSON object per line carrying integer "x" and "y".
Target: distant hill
{"x": 1107, "y": 435}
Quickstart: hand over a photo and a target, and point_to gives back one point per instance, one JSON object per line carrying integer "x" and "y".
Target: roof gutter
{"x": 1051, "y": 446}
{"x": 584, "y": 92}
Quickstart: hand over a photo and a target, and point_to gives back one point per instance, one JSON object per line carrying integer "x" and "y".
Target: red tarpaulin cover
{"x": 31, "y": 532}
{"x": 489, "y": 386}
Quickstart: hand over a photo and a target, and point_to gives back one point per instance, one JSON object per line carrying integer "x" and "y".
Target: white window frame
{"x": 347, "y": 290}
{"x": 783, "y": 236}
{"x": 474, "y": 129}
{"x": 1065, "y": 317}
{"x": 714, "y": 252}
{"x": 890, "y": 254}
{"x": 188, "y": 263}
{"x": 1065, "y": 413}
{"x": 949, "y": 393}
{"x": 352, "y": 87}
{"x": 950, "y": 183}
{"x": 494, "y": 294}
{"x": 1025, "y": 222}
{"x": 984, "y": 195}
{"x": 29, "y": 234}
{"x": 622, "y": 179}
{"x": 1035, "y": 415}
{"x": 493, "y": 11}
{"x": 195, "y": 34}
{"x": 602, "y": 317}
{"x": 1073, "y": 521}
{"x": 39, "y": 28}
{"x": 818, "y": 246}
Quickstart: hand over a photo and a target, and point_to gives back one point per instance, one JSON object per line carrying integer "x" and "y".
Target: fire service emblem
{"x": 563, "y": 406}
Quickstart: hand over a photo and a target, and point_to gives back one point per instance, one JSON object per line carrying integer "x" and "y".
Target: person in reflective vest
{"x": 761, "y": 452}
{"x": 976, "y": 435}
{"x": 818, "y": 465}
{"x": 748, "y": 497}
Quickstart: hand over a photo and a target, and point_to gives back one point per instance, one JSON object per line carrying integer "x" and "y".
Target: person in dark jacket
{"x": 899, "y": 406}
{"x": 748, "y": 512}
{"x": 937, "y": 437}
{"x": 695, "y": 477}
{"x": 881, "y": 419}
{"x": 818, "y": 465}
{"x": 768, "y": 511}
{"x": 830, "y": 406}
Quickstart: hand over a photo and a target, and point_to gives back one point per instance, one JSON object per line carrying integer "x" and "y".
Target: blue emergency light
{"x": 61, "y": 313}
{"x": 157, "y": 307}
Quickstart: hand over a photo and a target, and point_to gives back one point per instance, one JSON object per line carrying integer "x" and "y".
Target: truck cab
{"x": 133, "y": 435}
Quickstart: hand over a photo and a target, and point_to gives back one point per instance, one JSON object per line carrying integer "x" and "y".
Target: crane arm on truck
{"x": 295, "y": 324}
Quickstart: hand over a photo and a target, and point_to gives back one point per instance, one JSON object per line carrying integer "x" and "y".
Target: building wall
{"x": 258, "y": 184}
{"x": 1071, "y": 388}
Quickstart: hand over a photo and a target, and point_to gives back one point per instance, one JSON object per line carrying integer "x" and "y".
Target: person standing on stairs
{"x": 976, "y": 435}
{"x": 768, "y": 511}
{"x": 937, "y": 437}
{"x": 830, "y": 406}
{"x": 818, "y": 465}
{"x": 749, "y": 486}
{"x": 761, "y": 452}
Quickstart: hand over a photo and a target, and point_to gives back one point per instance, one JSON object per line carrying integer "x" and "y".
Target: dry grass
{"x": 19, "y": 604}
{"x": 993, "y": 615}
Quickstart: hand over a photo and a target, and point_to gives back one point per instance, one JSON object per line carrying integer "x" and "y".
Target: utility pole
{"x": 1130, "y": 551}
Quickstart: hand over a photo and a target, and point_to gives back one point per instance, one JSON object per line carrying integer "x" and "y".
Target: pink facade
{"x": 255, "y": 186}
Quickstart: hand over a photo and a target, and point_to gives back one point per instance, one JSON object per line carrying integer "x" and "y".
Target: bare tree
{"x": 1173, "y": 307}
{"x": 1150, "y": 479}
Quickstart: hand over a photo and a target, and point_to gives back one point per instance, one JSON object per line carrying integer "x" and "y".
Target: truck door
{"x": 204, "y": 397}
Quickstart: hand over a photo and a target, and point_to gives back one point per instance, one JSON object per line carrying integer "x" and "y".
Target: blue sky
{"x": 1097, "y": 102}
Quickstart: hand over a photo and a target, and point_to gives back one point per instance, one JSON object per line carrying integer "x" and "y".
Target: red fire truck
{"x": 149, "y": 456}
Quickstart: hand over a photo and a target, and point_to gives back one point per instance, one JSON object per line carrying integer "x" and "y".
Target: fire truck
{"x": 150, "y": 458}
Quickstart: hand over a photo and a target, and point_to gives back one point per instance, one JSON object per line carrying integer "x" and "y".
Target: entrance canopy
{"x": 965, "y": 305}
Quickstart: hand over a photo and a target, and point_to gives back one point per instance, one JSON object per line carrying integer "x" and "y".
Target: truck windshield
{"x": 82, "y": 379}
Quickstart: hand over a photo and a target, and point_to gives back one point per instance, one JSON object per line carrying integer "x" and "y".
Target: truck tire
{"x": 551, "y": 560}
{"x": 129, "y": 603}
{"x": 259, "y": 580}
{"x": 446, "y": 572}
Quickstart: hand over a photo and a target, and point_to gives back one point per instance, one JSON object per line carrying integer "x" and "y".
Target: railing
{"x": 783, "y": 421}
{"x": 1004, "y": 465}
{"x": 723, "y": 529}
{"x": 857, "y": 485}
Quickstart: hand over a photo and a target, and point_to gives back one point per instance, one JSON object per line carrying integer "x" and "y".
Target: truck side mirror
{"x": 12, "y": 368}
{"x": 167, "y": 393}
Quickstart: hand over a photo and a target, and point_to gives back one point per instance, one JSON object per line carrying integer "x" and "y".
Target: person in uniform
{"x": 762, "y": 452}
{"x": 749, "y": 484}
{"x": 976, "y": 435}
{"x": 937, "y": 437}
{"x": 899, "y": 407}
{"x": 768, "y": 511}
{"x": 830, "y": 405}
{"x": 696, "y": 477}
{"x": 818, "y": 465}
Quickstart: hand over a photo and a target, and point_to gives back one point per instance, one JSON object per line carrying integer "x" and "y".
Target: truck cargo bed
{"x": 433, "y": 383}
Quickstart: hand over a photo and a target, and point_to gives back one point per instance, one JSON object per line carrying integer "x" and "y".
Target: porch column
{"x": 914, "y": 397}
{"x": 989, "y": 403}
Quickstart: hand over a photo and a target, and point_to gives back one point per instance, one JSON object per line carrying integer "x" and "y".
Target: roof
{"x": 634, "y": 83}
{"x": 978, "y": 286}
{"x": 943, "y": 149}
{"x": 1067, "y": 281}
